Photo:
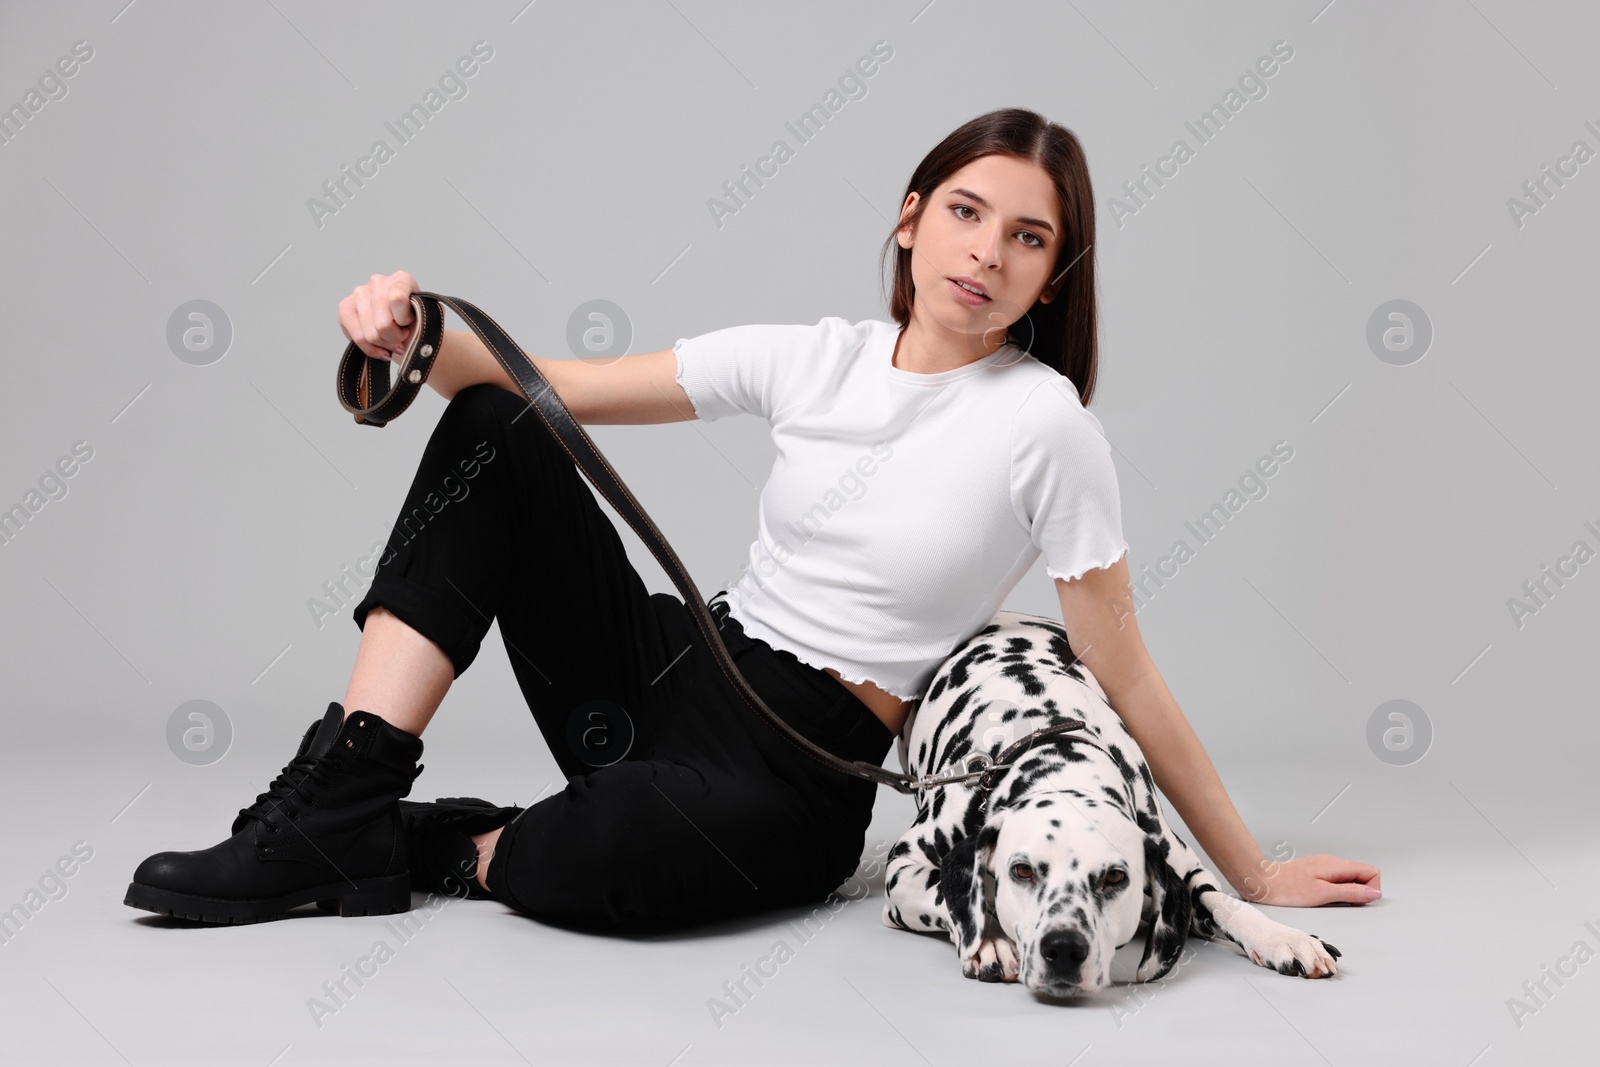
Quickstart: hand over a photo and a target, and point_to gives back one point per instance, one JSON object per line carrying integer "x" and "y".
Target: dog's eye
{"x": 1116, "y": 876}
{"x": 1022, "y": 872}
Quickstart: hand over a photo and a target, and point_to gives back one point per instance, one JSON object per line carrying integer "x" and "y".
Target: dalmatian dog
{"x": 1041, "y": 877}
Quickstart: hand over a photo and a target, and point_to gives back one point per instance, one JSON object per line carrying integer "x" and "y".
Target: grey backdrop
{"x": 1427, "y": 485}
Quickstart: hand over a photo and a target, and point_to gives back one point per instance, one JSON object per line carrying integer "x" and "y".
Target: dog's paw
{"x": 994, "y": 960}
{"x": 1289, "y": 951}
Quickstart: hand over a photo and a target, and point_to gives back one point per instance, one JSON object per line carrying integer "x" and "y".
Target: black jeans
{"x": 681, "y": 805}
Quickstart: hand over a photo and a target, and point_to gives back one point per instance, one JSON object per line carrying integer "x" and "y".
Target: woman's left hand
{"x": 1310, "y": 881}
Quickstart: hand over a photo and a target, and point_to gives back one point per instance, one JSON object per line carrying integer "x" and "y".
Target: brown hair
{"x": 1064, "y": 331}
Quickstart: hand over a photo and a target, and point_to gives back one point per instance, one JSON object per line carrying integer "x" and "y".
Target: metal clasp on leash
{"x": 977, "y": 765}
{"x": 980, "y": 765}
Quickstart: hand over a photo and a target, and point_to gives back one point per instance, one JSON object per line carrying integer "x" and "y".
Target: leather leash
{"x": 366, "y": 391}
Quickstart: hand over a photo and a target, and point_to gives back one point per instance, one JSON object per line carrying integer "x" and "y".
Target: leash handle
{"x": 365, "y": 390}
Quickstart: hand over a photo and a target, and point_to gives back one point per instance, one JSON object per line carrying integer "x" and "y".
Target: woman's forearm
{"x": 1184, "y": 773}
{"x": 463, "y": 360}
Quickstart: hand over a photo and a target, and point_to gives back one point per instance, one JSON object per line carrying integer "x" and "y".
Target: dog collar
{"x": 987, "y": 771}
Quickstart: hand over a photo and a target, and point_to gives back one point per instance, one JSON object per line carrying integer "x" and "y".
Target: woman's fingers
{"x": 377, "y": 316}
{"x": 350, "y": 323}
{"x": 1339, "y": 869}
{"x": 1311, "y": 881}
{"x": 1350, "y": 892}
{"x": 389, "y": 305}
{"x": 369, "y": 331}
{"x": 401, "y": 286}
{"x": 1349, "y": 881}
{"x": 389, "y": 335}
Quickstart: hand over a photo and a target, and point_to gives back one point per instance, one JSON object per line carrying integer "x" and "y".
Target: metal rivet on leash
{"x": 426, "y": 351}
{"x": 414, "y": 377}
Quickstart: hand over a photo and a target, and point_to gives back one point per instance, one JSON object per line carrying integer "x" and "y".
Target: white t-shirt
{"x": 902, "y": 508}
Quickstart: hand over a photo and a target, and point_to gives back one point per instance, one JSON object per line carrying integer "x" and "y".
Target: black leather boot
{"x": 327, "y": 829}
{"x": 439, "y": 842}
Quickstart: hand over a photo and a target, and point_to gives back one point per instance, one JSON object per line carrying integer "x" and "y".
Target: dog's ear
{"x": 961, "y": 880}
{"x": 1171, "y": 911}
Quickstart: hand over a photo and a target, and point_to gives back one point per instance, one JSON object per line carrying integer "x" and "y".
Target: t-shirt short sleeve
{"x": 1063, "y": 483}
{"x": 741, "y": 368}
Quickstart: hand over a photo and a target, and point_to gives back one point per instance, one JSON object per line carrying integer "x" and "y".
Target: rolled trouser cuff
{"x": 445, "y": 619}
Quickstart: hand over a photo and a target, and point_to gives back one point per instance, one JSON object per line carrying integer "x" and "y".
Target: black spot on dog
{"x": 954, "y": 719}
{"x": 957, "y": 884}
{"x": 1123, "y": 766}
{"x": 972, "y": 818}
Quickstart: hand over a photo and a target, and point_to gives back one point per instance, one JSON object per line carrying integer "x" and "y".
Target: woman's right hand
{"x": 377, "y": 316}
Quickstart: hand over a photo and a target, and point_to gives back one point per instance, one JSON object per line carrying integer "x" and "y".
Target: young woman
{"x": 924, "y": 466}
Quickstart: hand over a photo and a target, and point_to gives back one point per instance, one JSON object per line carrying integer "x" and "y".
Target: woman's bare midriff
{"x": 892, "y": 710}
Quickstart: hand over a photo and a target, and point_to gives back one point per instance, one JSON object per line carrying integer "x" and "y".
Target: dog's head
{"x": 1065, "y": 879}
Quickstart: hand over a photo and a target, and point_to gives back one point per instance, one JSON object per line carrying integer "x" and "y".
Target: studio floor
{"x": 1428, "y": 975}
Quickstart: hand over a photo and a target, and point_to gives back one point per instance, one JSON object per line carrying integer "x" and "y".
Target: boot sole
{"x": 366, "y": 896}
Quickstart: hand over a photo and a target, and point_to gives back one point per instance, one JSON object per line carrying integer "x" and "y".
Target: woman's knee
{"x": 478, "y": 404}
{"x": 492, "y": 417}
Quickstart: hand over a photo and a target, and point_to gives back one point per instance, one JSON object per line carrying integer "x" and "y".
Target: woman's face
{"x": 995, "y": 223}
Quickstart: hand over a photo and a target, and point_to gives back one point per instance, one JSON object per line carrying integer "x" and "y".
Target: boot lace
{"x": 319, "y": 770}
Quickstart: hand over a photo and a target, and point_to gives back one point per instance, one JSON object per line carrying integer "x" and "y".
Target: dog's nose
{"x": 1064, "y": 952}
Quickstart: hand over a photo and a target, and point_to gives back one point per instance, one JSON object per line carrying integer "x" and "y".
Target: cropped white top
{"x": 902, "y": 508}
